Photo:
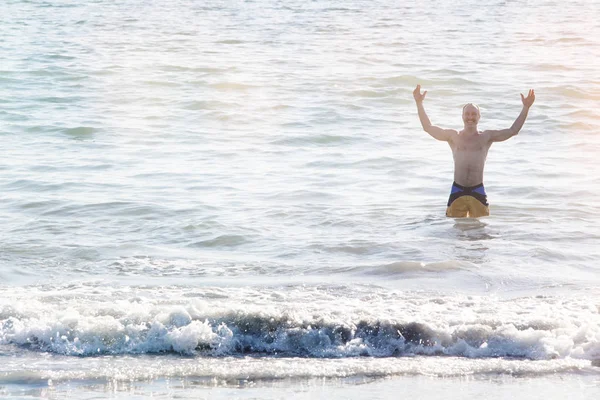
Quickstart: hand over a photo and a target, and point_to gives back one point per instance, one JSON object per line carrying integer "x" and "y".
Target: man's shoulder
{"x": 487, "y": 134}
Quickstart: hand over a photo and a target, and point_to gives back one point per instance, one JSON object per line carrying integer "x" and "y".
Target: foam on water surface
{"x": 306, "y": 321}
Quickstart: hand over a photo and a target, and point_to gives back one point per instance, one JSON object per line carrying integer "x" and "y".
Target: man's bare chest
{"x": 475, "y": 143}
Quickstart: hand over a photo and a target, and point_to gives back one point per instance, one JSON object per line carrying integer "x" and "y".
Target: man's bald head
{"x": 471, "y": 106}
{"x": 471, "y": 114}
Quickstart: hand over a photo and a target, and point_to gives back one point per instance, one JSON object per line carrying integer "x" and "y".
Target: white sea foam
{"x": 302, "y": 321}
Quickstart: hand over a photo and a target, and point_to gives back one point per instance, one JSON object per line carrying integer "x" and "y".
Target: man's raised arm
{"x": 435, "y": 131}
{"x": 503, "y": 134}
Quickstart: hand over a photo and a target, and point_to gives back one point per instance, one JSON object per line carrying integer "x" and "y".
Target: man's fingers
{"x": 417, "y": 93}
{"x": 528, "y": 101}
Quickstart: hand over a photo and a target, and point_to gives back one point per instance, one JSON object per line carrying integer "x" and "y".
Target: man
{"x": 469, "y": 149}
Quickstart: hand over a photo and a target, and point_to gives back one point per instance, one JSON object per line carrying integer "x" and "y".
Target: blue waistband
{"x": 477, "y": 191}
{"x": 456, "y": 188}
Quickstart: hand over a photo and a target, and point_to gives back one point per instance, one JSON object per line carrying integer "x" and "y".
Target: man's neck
{"x": 471, "y": 130}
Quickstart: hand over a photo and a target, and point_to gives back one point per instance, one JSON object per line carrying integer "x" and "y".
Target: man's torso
{"x": 470, "y": 152}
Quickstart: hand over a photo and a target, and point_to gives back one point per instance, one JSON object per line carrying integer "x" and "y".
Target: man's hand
{"x": 420, "y": 97}
{"x": 527, "y": 101}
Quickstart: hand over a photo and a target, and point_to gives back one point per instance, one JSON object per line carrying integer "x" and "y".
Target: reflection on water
{"x": 469, "y": 235}
{"x": 471, "y": 229}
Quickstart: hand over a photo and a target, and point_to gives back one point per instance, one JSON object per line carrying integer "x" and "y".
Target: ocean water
{"x": 235, "y": 199}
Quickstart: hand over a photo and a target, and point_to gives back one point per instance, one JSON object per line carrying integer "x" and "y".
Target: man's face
{"x": 470, "y": 115}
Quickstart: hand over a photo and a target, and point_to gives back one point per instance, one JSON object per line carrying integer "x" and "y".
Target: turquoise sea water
{"x": 220, "y": 199}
